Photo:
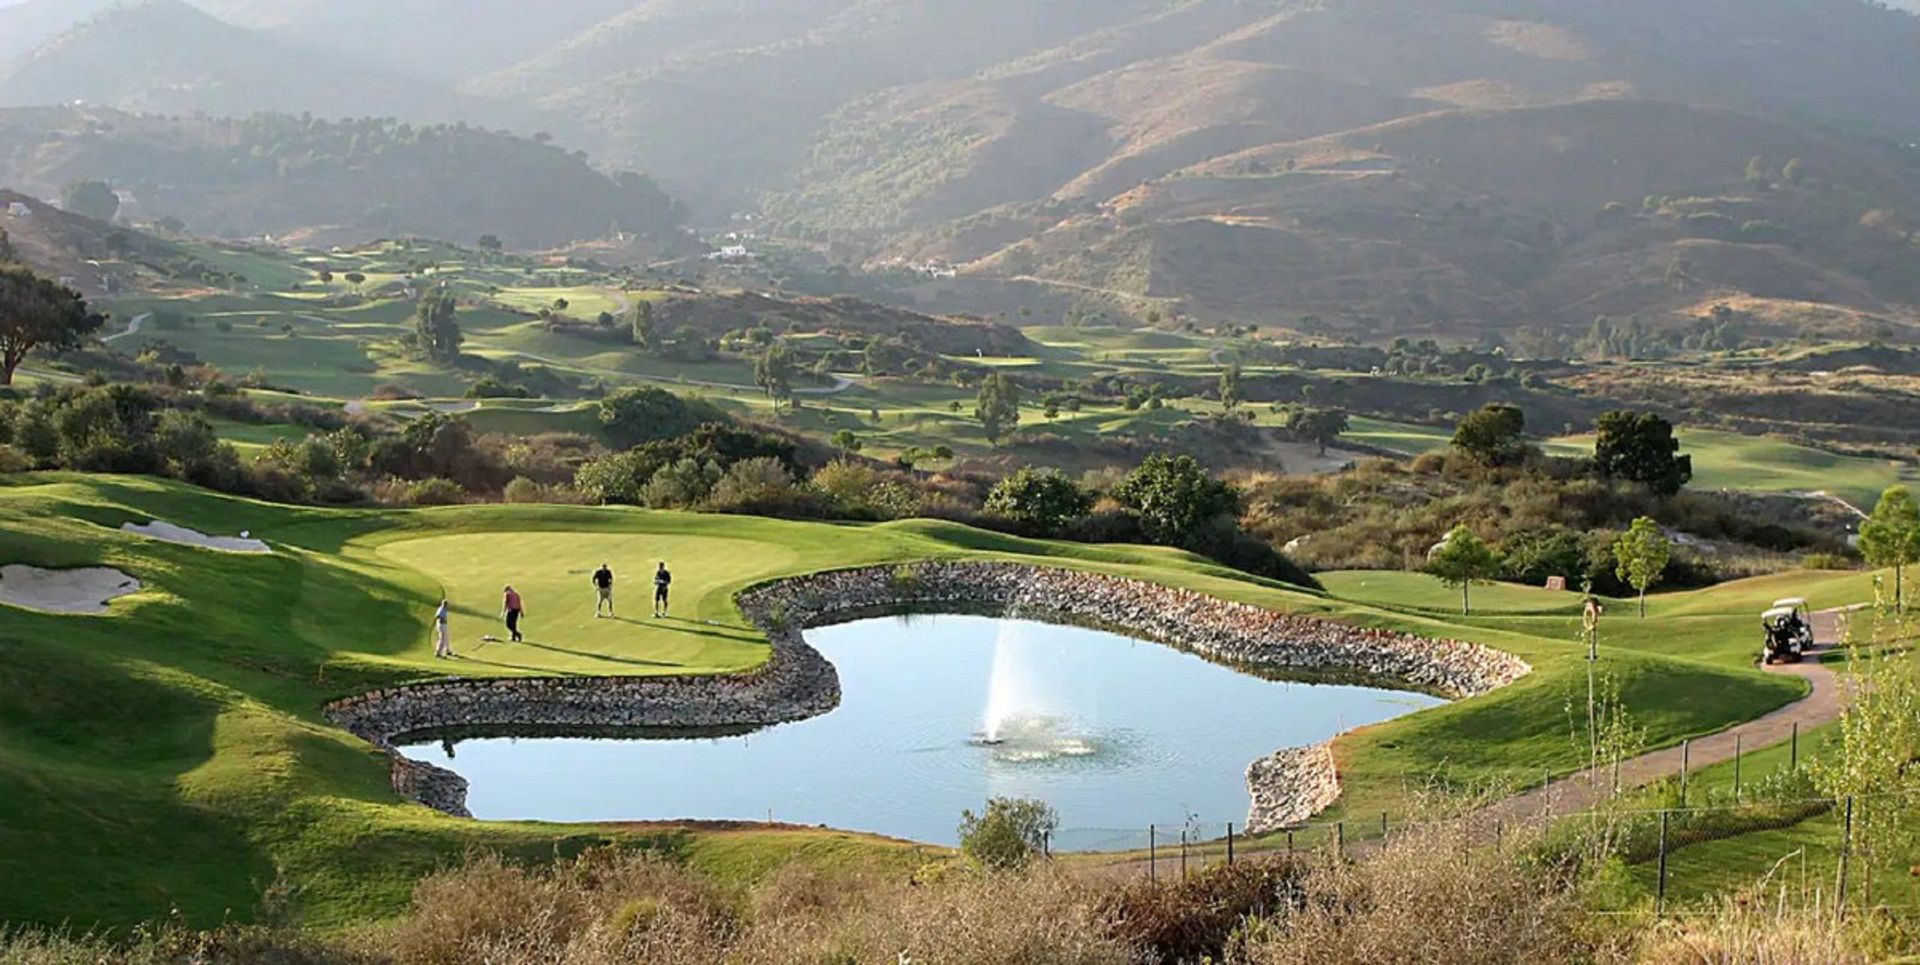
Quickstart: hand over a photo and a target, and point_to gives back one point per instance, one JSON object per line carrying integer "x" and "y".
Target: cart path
{"x": 1586, "y": 789}
{"x": 1583, "y": 791}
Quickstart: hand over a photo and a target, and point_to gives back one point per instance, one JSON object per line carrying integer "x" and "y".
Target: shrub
{"x": 433, "y": 492}
{"x": 1008, "y": 834}
{"x": 523, "y": 490}
{"x": 13, "y": 460}
{"x": 1197, "y": 918}
{"x": 759, "y": 486}
{"x": 1042, "y": 498}
{"x": 680, "y": 485}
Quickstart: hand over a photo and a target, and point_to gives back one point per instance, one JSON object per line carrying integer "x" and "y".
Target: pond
{"x": 939, "y": 713}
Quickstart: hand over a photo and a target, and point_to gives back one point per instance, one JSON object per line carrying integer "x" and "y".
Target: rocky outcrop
{"x": 796, "y": 682}
{"x": 1290, "y": 787}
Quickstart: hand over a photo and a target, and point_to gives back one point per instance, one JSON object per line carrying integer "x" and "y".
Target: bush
{"x": 1042, "y": 498}
{"x": 680, "y": 485}
{"x": 1197, "y": 918}
{"x": 523, "y": 490}
{"x": 433, "y": 492}
{"x": 760, "y": 487}
{"x": 1009, "y": 834}
{"x": 13, "y": 460}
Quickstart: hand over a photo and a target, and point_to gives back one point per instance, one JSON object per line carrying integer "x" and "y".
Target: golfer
{"x": 442, "y": 639}
{"x": 513, "y": 609}
{"x": 603, "y": 582}
{"x": 661, "y": 581}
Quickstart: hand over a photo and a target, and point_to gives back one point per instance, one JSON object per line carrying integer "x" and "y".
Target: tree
{"x": 491, "y": 244}
{"x": 1041, "y": 497}
{"x": 1463, "y": 560}
{"x": 1641, "y": 447}
{"x": 7, "y": 255}
{"x": 643, "y": 332}
{"x": 1640, "y": 557}
{"x": 1892, "y": 537}
{"x": 1758, "y": 173}
{"x": 1176, "y": 497}
{"x": 92, "y": 199}
{"x": 637, "y": 414}
{"x": 435, "y": 328}
{"x": 997, "y": 406}
{"x": 846, "y": 441}
{"x": 773, "y": 373}
{"x": 1008, "y": 835}
{"x": 1230, "y": 397}
{"x": 1320, "y": 425}
{"x": 1795, "y": 171}
{"x": 1491, "y": 435}
{"x": 38, "y": 313}
{"x": 355, "y": 278}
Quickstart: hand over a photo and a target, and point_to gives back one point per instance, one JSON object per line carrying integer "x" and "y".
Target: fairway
{"x": 551, "y": 571}
{"x": 1726, "y": 460}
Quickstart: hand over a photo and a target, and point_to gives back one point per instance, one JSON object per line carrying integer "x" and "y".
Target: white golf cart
{"x": 1789, "y": 631}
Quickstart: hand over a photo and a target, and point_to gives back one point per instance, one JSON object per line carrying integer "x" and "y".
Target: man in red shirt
{"x": 514, "y": 609}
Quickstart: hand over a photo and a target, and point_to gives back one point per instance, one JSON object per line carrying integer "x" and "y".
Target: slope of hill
{"x": 329, "y": 182}
{"x": 94, "y": 257}
{"x": 167, "y": 56}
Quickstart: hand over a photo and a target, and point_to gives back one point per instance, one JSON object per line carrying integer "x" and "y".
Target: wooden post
{"x": 1660, "y": 900}
{"x": 1153, "y": 855}
{"x": 1229, "y": 842}
{"x": 1183, "y": 854}
{"x": 1383, "y": 824}
{"x": 1794, "y": 756}
{"x": 1686, "y": 758}
{"x": 1736, "y": 768}
{"x": 1846, "y": 851}
{"x": 1289, "y": 840}
{"x": 1340, "y": 839}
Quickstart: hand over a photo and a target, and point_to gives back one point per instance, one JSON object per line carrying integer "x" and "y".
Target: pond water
{"x": 937, "y": 715}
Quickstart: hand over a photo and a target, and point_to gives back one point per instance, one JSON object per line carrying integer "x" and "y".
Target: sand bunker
{"x": 161, "y": 530}
{"x": 64, "y": 591}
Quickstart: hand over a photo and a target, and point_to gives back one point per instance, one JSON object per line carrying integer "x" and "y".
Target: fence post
{"x": 1183, "y": 854}
{"x": 1046, "y": 844}
{"x": 1846, "y": 851}
{"x": 1153, "y": 855}
{"x": 1546, "y": 778}
{"x": 1497, "y": 836}
{"x": 1736, "y": 768}
{"x": 1686, "y": 765}
{"x": 1340, "y": 839}
{"x": 1289, "y": 840}
{"x": 1794, "y": 755}
{"x": 1383, "y": 824}
{"x": 1229, "y": 842}
{"x": 1660, "y": 899}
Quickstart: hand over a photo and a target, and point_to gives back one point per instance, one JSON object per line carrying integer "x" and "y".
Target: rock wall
{"x": 797, "y": 682}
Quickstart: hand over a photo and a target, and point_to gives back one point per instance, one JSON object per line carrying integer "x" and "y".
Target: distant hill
{"x": 331, "y": 182}
{"x": 95, "y": 257}
{"x": 167, "y": 56}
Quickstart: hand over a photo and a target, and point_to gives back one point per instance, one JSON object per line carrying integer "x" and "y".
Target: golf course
{"x": 171, "y": 751}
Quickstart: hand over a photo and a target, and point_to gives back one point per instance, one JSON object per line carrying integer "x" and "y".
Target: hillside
{"x": 167, "y": 56}
{"x": 330, "y": 182}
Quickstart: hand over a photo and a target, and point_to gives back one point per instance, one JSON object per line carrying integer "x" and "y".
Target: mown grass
{"x": 172, "y": 752}
{"x": 1726, "y": 460}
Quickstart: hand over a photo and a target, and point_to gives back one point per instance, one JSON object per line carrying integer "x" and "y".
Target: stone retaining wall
{"x": 797, "y": 682}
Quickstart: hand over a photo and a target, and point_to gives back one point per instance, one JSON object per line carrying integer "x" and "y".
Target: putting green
{"x": 552, "y": 572}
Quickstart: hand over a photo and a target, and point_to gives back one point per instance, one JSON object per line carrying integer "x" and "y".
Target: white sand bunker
{"x": 161, "y": 530}
{"x": 64, "y": 591}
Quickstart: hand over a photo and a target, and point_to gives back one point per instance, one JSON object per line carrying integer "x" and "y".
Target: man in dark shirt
{"x": 661, "y": 581}
{"x": 603, "y": 582}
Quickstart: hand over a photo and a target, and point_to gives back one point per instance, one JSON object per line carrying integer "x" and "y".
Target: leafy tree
{"x": 1892, "y": 537}
{"x": 643, "y": 331}
{"x": 1041, "y": 497}
{"x": 846, "y": 441}
{"x": 773, "y": 373}
{"x": 1641, "y": 555}
{"x": 92, "y": 199}
{"x": 7, "y": 255}
{"x": 435, "y": 327}
{"x": 997, "y": 406}
{"x": 38, "y": 313}
{"x": 1493, "y": 434}
{"x": 354, "y": 278}
{"x": 1176, "y": 497}
{"x": 491, "y": 244}
{"x": 1323, "y": 426}
{"x": 1758, "y": 173}
{"x": 637, "y": 414}
{"x": 1795, "y": 172}
{"x": 1230, "y": 397}
{"x": 1009, "y": 834}
{"x": 1463, "y": 560}
{"x": 1641, "y": 447}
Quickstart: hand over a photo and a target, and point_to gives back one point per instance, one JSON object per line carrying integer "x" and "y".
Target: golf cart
{"x": 1789, "y": 631}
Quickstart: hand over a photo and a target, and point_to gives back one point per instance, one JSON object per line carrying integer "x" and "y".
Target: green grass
{"x": 1725, "y": 460}
{"x": 172, "y": 752}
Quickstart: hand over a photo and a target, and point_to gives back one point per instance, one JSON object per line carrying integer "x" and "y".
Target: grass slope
{"x": 171, "y": 753}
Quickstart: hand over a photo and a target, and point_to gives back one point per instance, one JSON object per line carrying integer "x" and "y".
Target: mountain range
{"x": 1370, "y": 162}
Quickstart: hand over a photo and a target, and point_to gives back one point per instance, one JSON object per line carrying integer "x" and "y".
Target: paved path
{"x": 1586, "y": 789}
{"x": 133, "y": 328}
